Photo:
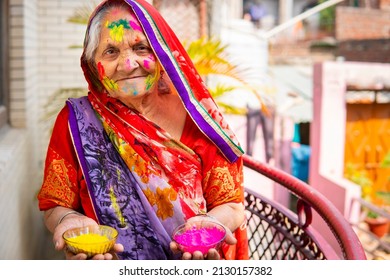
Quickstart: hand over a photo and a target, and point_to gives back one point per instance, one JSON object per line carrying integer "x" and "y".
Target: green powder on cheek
{"x": 150, "y": 81}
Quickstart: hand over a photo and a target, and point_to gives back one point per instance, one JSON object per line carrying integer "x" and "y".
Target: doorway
{"x": 367, "y": 139}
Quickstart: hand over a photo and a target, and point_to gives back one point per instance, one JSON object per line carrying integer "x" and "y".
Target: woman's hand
{"x": 212, "y": 254}
{"x": 75, "y": 220}
{"x": 118, "y": 248}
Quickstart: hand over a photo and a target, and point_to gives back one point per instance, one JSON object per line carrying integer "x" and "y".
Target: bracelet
{"x": 211, "y": 217}
{"x": 66, "y": 214}
{"x": 207, "y": 215}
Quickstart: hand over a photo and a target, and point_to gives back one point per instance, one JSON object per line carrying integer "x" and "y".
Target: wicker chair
{"x": 277, "y": 233}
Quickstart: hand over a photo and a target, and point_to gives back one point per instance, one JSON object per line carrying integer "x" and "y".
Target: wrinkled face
{"x": 125, "y": 61}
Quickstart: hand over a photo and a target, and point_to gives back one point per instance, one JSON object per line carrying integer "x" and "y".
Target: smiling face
{"x": 126, "y": 64}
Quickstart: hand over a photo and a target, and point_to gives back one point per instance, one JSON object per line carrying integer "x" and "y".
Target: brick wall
{"x": 361, "y": 24}
{"x": 365, "y": 50}
{"x": 364, "y": 34}
{"x": 384, "y": 5}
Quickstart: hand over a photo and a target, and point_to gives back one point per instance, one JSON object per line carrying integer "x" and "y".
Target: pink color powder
{"x": 202, "y": 239}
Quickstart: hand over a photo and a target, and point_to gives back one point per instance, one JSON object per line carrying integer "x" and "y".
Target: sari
{"x": 117, "y": 167}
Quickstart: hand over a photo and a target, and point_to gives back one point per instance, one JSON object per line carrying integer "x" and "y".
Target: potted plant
{"x": 376, "y": 222}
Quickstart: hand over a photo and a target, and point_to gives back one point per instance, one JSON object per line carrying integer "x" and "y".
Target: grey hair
{"x": 93, "y": 35}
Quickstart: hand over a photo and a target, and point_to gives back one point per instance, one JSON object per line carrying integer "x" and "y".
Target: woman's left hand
{"x": 212, "y": 254}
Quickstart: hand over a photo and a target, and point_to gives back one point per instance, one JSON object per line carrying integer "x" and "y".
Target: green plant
{"x": 386, "y": 161}
{"x": 327, "y": 17}
{"x": 385, "y": 195}
{"x": 210, "y": 58}
{"x": 81, "y": 15}
{"x": 57, "y": 100}
{"x": 359, "y": 177}
{"x": 372, "y": 215}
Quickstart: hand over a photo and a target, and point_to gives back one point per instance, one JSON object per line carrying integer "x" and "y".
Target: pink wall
{"x": 328, "y": 129}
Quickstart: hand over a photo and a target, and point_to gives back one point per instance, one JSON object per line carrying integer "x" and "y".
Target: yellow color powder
{"x": 90, "y": 244}
{"x": 89, "y": 238}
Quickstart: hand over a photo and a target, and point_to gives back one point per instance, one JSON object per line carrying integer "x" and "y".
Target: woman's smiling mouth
{"x": 131, "y": 78}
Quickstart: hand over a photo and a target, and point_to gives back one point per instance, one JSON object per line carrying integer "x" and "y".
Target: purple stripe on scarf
{"x": 79, "y": 148}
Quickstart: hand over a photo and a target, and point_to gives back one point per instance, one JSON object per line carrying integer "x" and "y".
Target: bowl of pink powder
{"x": 199, "y": 236}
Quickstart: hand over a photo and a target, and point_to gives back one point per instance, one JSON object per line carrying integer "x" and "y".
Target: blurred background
{"x": 305, "y": 85}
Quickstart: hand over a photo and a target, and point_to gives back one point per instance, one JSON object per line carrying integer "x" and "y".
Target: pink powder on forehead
{"x": 202, "y": 239}
{"x": 135, "y": 25}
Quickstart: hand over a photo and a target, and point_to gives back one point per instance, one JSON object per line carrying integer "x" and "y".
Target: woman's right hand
{"x": 75, "y": 220}
{"x": 107, "y": 256}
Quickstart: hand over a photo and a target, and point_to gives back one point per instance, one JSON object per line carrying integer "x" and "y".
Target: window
{"x": 4, "y": 69}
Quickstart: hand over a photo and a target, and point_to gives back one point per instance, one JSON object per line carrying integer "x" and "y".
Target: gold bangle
{"x": 66, "y": 214}
{"x": 207, "y": 215}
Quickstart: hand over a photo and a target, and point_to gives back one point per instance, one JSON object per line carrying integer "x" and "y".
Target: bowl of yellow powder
{"x": 90, "y": 240}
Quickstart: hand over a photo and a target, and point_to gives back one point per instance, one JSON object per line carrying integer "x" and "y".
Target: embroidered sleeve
{"x": 223, "y": 182}
{"x": 60, "y": 185}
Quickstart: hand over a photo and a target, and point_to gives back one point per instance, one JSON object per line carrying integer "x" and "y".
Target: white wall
{"x": 19, "y": 228}
{"x": 41, "y": 62}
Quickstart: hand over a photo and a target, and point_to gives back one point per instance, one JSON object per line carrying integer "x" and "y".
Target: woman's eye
{"x": 110, "y": 52}
{"x": 143, "y": 49}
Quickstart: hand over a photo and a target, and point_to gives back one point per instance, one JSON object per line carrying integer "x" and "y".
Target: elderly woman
{"x": 147, "y": 149}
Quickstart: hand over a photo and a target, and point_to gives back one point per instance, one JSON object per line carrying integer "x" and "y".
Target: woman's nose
{"x": 128, "y": 62}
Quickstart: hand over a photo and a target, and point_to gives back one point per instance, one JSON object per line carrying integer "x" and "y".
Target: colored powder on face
{"x": 116, "y": 33}
{"x": 122, "y": 22}
{"x": 135, "y": 26}
{"x": 101, "y": 70}
{"x": 146, "y": 64}
{"x": 150, "y": 80}
{"x": 128, "y": 63}
{"x": 110, "y": 84}
{"x": 129, "y": 88}
{"x": 201, "y": 239}
{"x": 117, "y": 29}
{"x": 107, "y": 82}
